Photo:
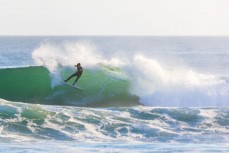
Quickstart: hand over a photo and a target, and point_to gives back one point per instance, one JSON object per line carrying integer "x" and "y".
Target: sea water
{"x": 142, "y": 94}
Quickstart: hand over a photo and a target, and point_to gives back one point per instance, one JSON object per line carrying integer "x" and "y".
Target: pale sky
{"x": 114, "y": 17}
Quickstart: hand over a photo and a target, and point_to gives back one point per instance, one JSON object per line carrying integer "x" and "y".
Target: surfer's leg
{"x": 76, "y": 80}
{"x": 74, "y": 74}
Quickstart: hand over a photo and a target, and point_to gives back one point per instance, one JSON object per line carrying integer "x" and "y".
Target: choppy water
{"x": 142, "y": 94}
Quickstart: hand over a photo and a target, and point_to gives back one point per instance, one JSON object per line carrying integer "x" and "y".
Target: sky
{"x": 114, "y": 17}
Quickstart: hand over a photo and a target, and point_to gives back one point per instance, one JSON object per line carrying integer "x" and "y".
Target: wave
{"x": 110, "y": 80}
{"x": 25, "y": 122}
{"x": 37, "y": 85}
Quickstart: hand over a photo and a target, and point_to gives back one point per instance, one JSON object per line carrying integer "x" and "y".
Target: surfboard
{"x": 77, "y": 87}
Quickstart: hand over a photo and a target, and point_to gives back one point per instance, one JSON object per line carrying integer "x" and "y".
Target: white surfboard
{"x": 75, "y": 86}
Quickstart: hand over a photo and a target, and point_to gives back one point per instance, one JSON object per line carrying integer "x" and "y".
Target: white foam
{"x": 210, "y": 122}
{"x": 161, "y": 85}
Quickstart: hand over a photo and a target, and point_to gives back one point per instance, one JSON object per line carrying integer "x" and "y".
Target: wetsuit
{"x": 78, "y": 73}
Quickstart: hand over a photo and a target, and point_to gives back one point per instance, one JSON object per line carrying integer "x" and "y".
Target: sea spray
{"x": 56, "y": 56}
{"x": 161, "y": 85}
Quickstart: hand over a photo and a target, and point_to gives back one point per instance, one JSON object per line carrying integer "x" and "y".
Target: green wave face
{"x": 29, "y": 84}
{"x": 33, "y": 85}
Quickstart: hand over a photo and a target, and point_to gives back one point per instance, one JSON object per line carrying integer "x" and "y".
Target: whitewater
{"x": 142, "y": 94}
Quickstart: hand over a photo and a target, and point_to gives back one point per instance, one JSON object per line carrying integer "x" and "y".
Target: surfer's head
{"x": 78, "y": 64}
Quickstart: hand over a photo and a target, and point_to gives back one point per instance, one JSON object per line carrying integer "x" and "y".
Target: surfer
{"x": 78, "y": 73}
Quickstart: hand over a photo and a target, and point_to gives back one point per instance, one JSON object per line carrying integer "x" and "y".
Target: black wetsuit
{"x": 78, "y": 73}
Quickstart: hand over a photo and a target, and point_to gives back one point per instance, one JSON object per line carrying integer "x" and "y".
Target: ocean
{"x": 140, "y": 94}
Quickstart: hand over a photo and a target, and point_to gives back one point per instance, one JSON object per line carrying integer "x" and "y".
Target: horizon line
{"x": 114, "y": 35}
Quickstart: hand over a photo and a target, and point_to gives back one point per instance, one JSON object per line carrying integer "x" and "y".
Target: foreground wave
{"x": 26, "y": 122}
